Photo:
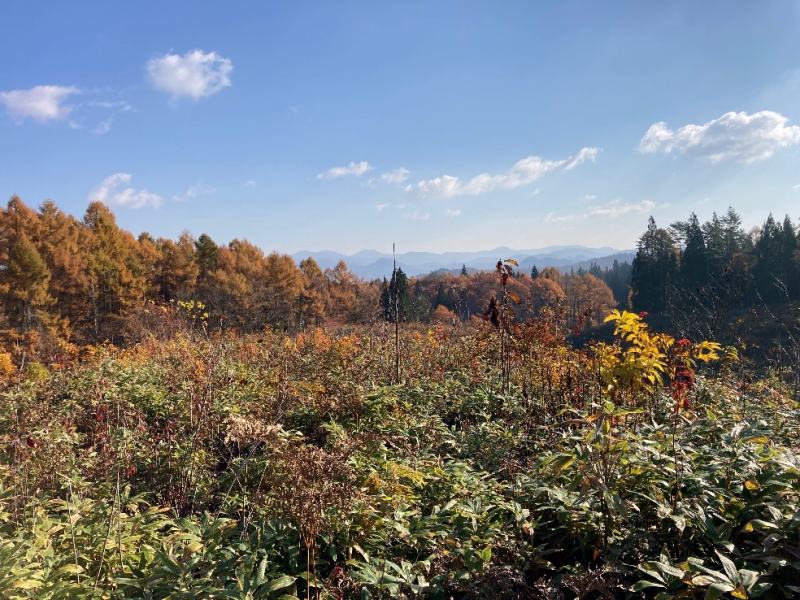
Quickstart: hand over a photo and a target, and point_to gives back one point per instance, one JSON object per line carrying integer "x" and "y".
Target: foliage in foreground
{"x": 273, "y": 466}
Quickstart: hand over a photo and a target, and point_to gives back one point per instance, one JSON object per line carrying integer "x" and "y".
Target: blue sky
{"x": 438, "y": 125}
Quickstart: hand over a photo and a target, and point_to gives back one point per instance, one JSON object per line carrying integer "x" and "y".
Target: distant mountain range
{"x": 371, "y": 264}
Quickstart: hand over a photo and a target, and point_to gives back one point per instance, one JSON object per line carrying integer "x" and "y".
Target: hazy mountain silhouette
{"x": 371, "y": 264}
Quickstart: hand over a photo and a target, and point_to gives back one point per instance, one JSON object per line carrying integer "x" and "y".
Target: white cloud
{"x": 250, "y": 183}
{"x": 194, "y": 191}
{"x": 118, "y": 105}
{"x": 103, "y": 127}
{"x": 382, "y": 206}
{"x": 196, "y": 74}
{"x": 396, "y": 176}
{"x": 554, "y": 218}
{"x": 417, "y": 215}
{"x": 796, "y": 186}
{"x": 616, "y": 208}
{"x": 115, "y": 191}
{"x": 452, "y": 212}
{"x": 734, "y": 136}
{"x": 612, "y": 209}
{"x": 354, "y": 168}
{"x": 41, "y": 103}
{"x": 523, "y": 172}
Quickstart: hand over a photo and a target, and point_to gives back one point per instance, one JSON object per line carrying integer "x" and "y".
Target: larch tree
{"x": 25, "y": 281}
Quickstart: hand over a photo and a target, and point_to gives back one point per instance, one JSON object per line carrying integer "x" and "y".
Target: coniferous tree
{"x": 177, "y": 268}
{"x": 206, "y": 253}
{"x": 398, "y": 295}
{"x": 694, "y": 260}
{"x": 24, "y": 281}
{"x": 116, "y": 281}
{"x": 787, "y": 247}
{"x": 386, "y": 301}
{"x": 767, "y": 271}
{"x": 653, "y": 269}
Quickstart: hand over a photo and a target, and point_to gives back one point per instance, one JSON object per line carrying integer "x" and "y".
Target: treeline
{"x": 583, "y": 296}
{"x": 68, "y": 282}
{"x": 715, "y": 266}
{"x": 84, "y": 281}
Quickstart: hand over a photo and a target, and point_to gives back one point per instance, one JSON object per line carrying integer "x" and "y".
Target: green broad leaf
{"x": 26, "y": 584}
{"x": 730, "y": 568}
{"x": 761, "y": 524}
{"x": 644, "y": 584}
{"x": 652, "y": 569}
{"x": 670, "y": 570}
{"x": 281, "y": 583}
{"x": 561, "y": 463}
{"x": 748, "y": 578}
{"x": 71, "y": 569}
{"x": 756, "y": 439}
{"x": 680, "y": 521}
{"x": 361, "y": 551}
{"x": 703, "y": 580}
{"x": 261, "y": 574}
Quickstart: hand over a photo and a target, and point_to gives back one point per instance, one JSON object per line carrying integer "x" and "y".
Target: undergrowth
{"x": 273, "y": 466}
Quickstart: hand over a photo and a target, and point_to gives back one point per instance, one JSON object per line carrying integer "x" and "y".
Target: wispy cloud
{"x": 41, "y": 103}
{"x": 453, "y": 212}
{"x": 115, "y": 191}
{"x": 523, "y": 172}
{"x": 396, "y": 176}
{"x": 194, "y": 191}
{"x": 103, "y": 127}
{"x": 417, "y": 215}
{"x": 117, "y": 105}
{"x": 612, "y": 209}
{"x": 734, "y": 136}
{"x": 356, "y": 169}
{"x": 250, "y": 183}
{"x": 196, "y": 74}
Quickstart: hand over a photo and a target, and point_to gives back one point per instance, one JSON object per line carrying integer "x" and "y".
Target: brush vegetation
{"x": 504, "y": 463}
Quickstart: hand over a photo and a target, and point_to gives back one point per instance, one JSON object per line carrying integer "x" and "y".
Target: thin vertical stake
{"x": 396, "y": 318}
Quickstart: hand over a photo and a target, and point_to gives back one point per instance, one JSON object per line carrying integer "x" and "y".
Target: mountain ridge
{"x": 373, "y": 264}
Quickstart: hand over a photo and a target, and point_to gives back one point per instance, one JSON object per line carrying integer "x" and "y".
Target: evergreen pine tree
{"x": 694, "y": 260}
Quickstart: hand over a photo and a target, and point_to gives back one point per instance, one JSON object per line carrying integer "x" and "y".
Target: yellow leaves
{"x": 7, "y": 367}
{"x": 751, "y": 485}
{"x": 730, "y": 353}
{"x": 706, "y": 351}
{"x": 645, "y": 358}
{"x": 756, "y": 439}
{"x": 740, "y": 593}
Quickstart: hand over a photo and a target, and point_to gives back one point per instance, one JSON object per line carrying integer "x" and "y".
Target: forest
{"x": 185, "y": 419}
